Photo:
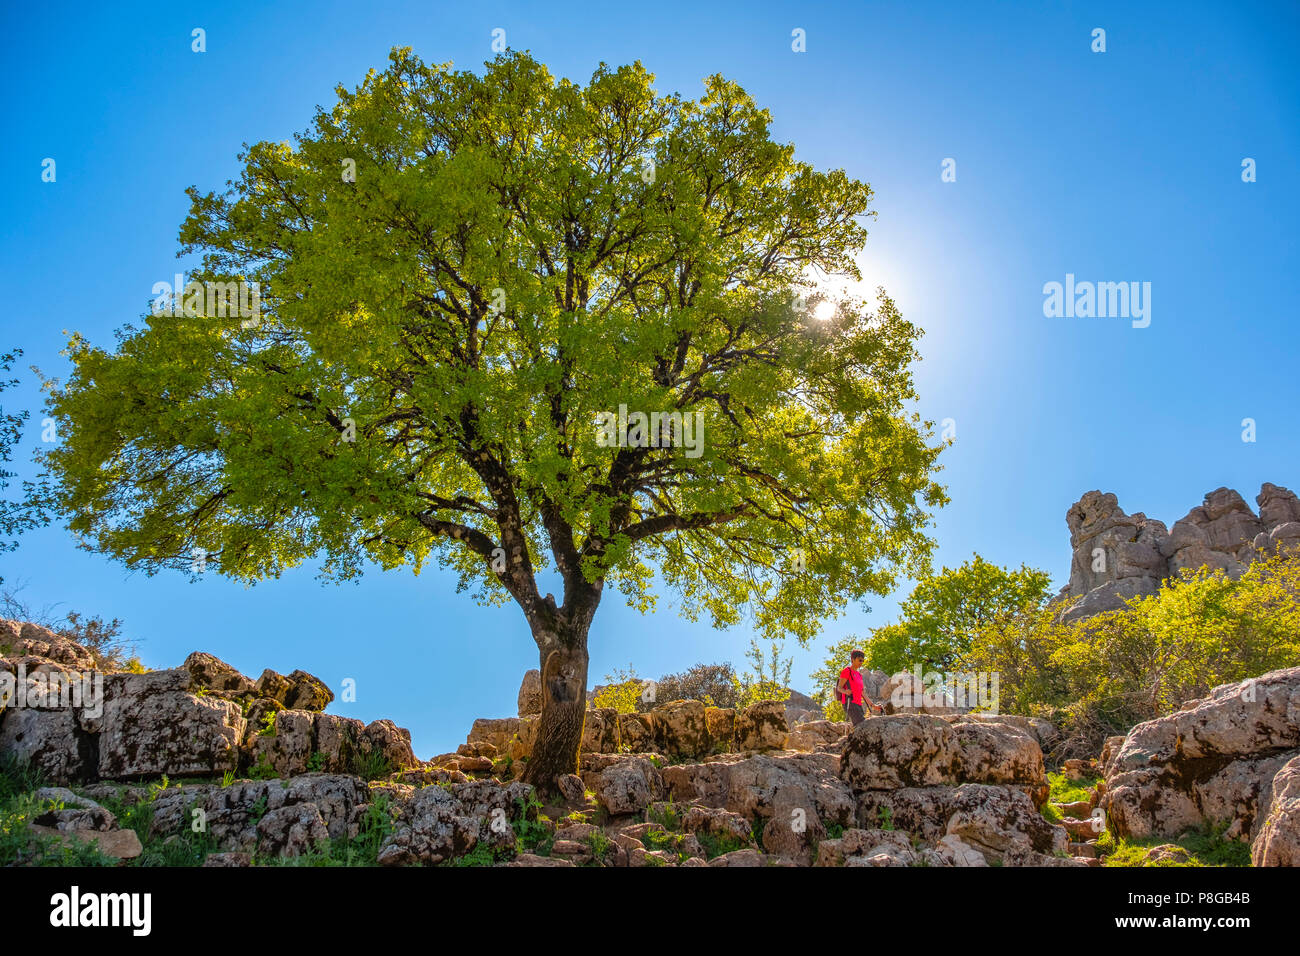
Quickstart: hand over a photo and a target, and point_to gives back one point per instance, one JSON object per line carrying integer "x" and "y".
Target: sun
{"x": 824, "y": 311}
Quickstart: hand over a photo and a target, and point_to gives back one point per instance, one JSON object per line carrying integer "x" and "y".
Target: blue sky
{"x": 1115, "y": 166}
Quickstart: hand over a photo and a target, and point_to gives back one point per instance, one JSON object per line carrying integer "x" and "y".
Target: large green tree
{"x": 458, "y": 274}
{"x": 940, "y": 618}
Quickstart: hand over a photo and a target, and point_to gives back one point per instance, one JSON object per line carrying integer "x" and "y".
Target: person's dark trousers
{"x": 855, "y": 713}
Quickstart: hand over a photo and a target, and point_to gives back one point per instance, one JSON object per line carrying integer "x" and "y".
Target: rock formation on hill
{"x": 1118, "y": 556}
{"x": 271, "y": 775}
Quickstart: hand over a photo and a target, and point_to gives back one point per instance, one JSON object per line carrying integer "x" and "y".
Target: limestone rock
{"x": 1276, "y": 506}
{"x": 1278, "y": 840}
{"x": 24, "y": 639}
{"x": 720, "y": 722}
{"x": 681, "y": 729}
{"x": 390, "y": 743}
{"x": 152, "y": 726}
{"x": 438, "y": 824}
{"x": 509, "y": 735}
{"x": 951, "y": 850}
{"x": 291, "y": 830}
{"x": 636, "y": 732}
{"x": 600, "y": 731}
{"x": 307, "y": 692}
{"x": 1118, "y": 556}
{"x": 210, "y": 673}
{"x": 1210, "y": 762}
{"x": 742, "y": 858}
{"x": 989, "y": 818}
{"x": 717, "y": 822}
{"x": 816, "y": 733}
{"x": 273, "y": 686}
{"x": 628, "y": 786}
{"x": 118, "y": 844}
{"x": 530, "y": 694}
{"x": 917, "y": 750}
{"x": 51, "y": 742}
{"x": 77, "y": 813}
{"x": 749, "y": 786}
{"x": 762, "y": 726}
{"x": 793, "y": 828}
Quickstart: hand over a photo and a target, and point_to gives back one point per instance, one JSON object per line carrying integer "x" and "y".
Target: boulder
{"x": 210, "y": 673}
{"x": 681, "y": 729}
{"x": 273, "y": 686}
{"x": 152, "y": 726}
{"x": 600, "y": 731}
{"x": 233, "y": 814}
{"x": 906, "y": 693}
{"x": 117, "y": 844}
{"x": 509, "y": 735}
{"x": 738, "y": 858}
{"x": 989, "y": 818}
{"x": 749, "y": 786}
{"x": 390, "y": 743}
{"x": 917, "y": 750}
{"x": 1277, "y": 506}
{"x": 307, "y": 692}
{"x": 291, "y": 831}
{"x": 717, "y": 822}
{"x": 51, "y": 741}
{"x": 1210, "y": 762}
{"x": 720, "y": 723}
{"x": 437, "y": 824}
{"x": 762, "y": 726}
{"x": 793, "y": 828}
{"x": 627, "y": 786}
{"x": 636, "y": 732}
{"x": 24, "y": 639}
{"x": 1278, "y": 839}
{"x": 816, "y": 733}
{"x": 434, "y": 827}
{"x": 530, "y": 694}
{"x": 76, "y": 813}
{"x": 951, "y": 850}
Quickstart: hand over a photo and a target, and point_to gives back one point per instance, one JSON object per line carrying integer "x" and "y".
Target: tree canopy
{"x": 457, "y": 273}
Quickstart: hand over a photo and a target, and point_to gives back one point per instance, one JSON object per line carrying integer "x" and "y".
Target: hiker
{"x": 851, "y": 691}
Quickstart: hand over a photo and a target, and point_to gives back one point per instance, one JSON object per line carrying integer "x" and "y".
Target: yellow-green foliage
{"x": 622, "y": 692}
{"x": 1200, "y": 630}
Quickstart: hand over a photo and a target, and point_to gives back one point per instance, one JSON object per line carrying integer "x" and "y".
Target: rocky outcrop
{"x": 203, "y": 718}
{"x": 679, "y": 730}
{"x": 980, "y": 782}
{"x": 436, "y": 824}
{"x": 1117, "y": 556}
{"x": 1216, "y": 761}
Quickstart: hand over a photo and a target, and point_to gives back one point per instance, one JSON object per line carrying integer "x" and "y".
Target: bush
{"x": 713, "y": 684}
{"x": 104, "y": 640}
{"x": 1098, "y": 677}
{"x": 623, "y": 692}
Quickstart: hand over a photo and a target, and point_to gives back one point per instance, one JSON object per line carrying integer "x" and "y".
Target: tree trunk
{"x": 564, "y": 704}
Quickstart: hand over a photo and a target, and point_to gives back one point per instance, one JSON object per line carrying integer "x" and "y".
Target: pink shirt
{"x": 854, "y": 680}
